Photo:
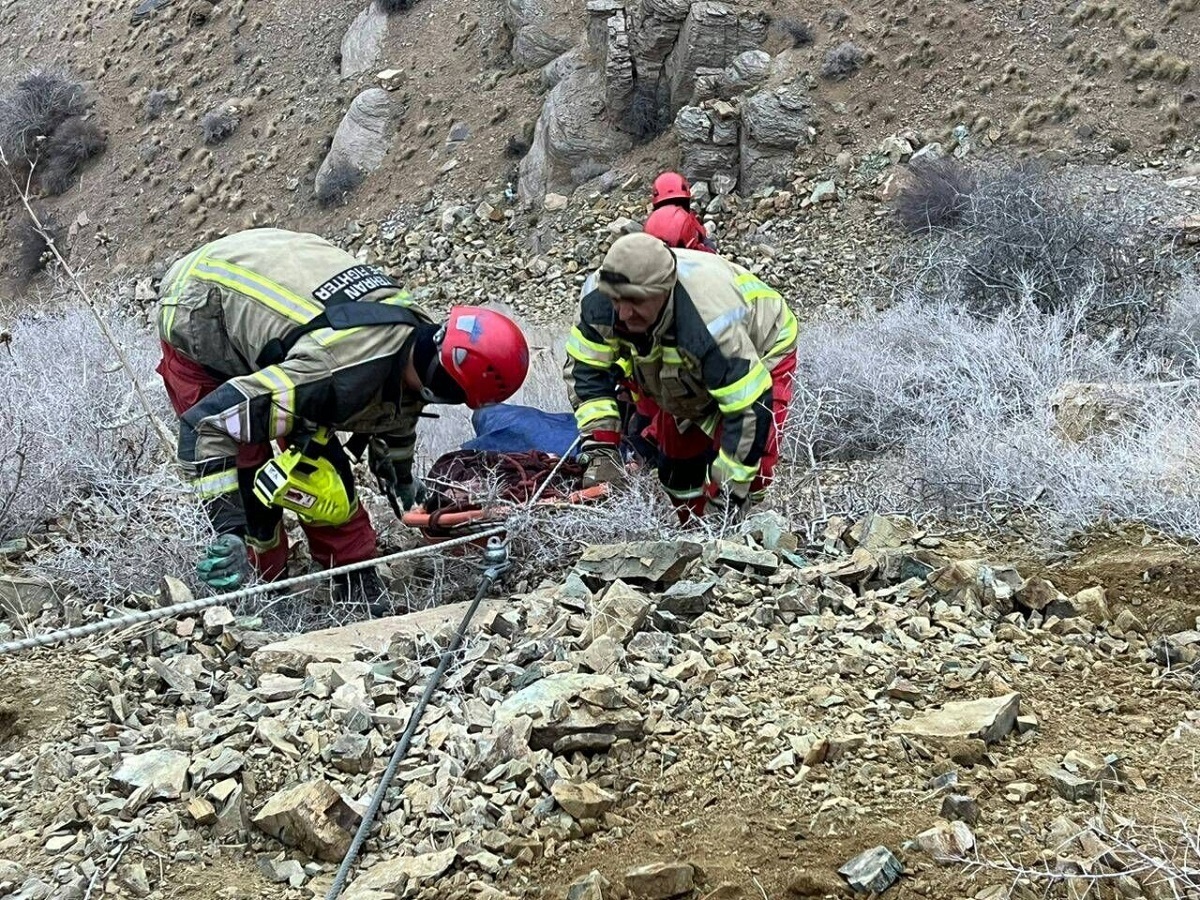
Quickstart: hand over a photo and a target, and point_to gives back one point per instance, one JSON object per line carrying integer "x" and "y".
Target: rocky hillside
{"x": 880, "y": 710}
{"x": 220, "y": 116}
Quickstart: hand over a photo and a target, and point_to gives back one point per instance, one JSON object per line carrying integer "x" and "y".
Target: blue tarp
{"x": 510, "y": 428}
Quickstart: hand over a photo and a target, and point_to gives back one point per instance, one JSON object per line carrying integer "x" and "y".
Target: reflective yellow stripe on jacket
{"x": 265, "y": 291}
{"x": 171, "y": 297}
{"x": 283, "y": 391}
{"x": 209, "y": 486}
{"x": 590, "y": 353}
{"x": 595, "y": 411}
{"x": 726, "y": 468}
{"x": 734, "y": 398}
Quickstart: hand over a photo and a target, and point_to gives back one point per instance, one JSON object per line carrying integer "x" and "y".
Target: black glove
{"x": 603, "y": 462}
{"x": 395, "y": 477}
{"x": 225, "y": 564}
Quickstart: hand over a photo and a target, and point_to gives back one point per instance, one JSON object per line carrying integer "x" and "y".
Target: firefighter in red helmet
{"x": 276, "y": 336}
{"x": 672, "y": 219}
{"x": 677, "y": 227}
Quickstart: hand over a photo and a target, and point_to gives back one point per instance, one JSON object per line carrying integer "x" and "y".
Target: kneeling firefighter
{"x": 272, "y": 335}
{"x": 710, "y": 351}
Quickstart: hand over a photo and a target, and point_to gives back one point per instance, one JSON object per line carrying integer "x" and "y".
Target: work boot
{"x": 362, "y": 588}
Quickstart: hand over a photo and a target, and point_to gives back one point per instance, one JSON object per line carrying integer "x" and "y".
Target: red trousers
{"x": 188, "y": 382}
{"x": 685, "y": 455}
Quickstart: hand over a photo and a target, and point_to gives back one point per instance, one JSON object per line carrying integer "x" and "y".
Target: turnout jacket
{"x": 223, "y": 304}
{"x": 707, "y": 361}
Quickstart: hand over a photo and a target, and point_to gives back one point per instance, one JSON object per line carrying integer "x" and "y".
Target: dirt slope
{"x": 1107, "y": 81}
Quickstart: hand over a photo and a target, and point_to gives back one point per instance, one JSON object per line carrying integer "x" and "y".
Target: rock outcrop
{"x": 361, "y": 141}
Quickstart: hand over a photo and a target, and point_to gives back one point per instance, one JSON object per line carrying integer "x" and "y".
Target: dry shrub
{"x": 41, "y": 102}
{"x": 79, "y": 462}
{"x": 799, "y": 33}
{"x": 156, "y": 104}
{"x": 1017, "y": 236}
{"x": 218, "y": 124}
{"x": 30, "y": 249}
{"x": 936, "y": 194}
{"x": 953, "y": 413}
{"x": 646, "y": 117}
{"x": 843, "y": 61}
{"x": 43, "y": 131}
{"x": 73, "y": 143}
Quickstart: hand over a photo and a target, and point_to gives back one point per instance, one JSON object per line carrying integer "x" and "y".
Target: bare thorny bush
{"x": 81, "y": 468}
{"x": 1154, "y": 854}
{"x": 991, "y": 239}
{"x": 942, "y": 405}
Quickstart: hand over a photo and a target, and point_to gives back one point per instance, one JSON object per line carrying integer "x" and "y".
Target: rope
{"x": 499, "y": 553}
{"x": 189, "y": 606}
{"x": 364, "y": 827}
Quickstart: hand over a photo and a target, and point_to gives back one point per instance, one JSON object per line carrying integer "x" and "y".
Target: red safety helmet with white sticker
{"x": 485, "y": 353}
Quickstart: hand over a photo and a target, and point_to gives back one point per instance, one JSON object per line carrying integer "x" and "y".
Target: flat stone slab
{"x": 989, "y": 718}
{"x": 372, "y": 637}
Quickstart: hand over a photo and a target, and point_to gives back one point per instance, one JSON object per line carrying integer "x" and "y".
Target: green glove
{"x": 226, "y": 563}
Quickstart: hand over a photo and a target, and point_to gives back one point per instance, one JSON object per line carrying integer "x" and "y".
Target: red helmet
{"x": 670, "y": 186}
{"x": 485, "y": 353}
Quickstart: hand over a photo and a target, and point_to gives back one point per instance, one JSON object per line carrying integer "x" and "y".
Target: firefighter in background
{"x": 711, "y": 352}
{"x": 672, "y": 219}
{"x": 272, "y": 335}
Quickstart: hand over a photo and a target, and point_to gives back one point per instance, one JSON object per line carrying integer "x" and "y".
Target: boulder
{"x": 363, "y": 40}
{"x": 774, "y": 123}
{"x": 660, "y": 880}
{"x": 164, "y": 773}
{"x": 539, "y": 34}
{"x": 748, "y": 71}
{"x": 712, "y": 36}
{"x": 947, "y": 842}
{"x": 393, "y": 876}
{"x": 371, "y": 637}
{"x": 618, "y": 65}
{"x": 655, "y": 26}
{"x": 573, "y": 136}
{"x": 779, "y": 117}
{"x": 873, "y": 871}
{"x": 619, "y": 615}
{"x": 1083, "y": 410}
{"x": 708, "y": 144}
{"x": 638, "y": 561}
{"x": 581, "y": 711}
{"x": 24, "y": 598}
{"x": 592, "y": 886}
{"x": 582, "y": 801}
{"x": 362, "y": 139}
{"x": 312, "y": 817}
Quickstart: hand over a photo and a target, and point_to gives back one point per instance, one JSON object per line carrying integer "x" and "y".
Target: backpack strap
{"x": 339, "y": 316}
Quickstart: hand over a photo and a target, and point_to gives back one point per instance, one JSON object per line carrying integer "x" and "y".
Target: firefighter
{"x": 272, "y": 335}
{"x": 671, "y": 218}
{"x": 677, "y": 227}
{"x": 711, "y": 350}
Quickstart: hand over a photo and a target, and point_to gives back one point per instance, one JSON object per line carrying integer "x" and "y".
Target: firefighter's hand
{"x": 226, "y": 563}
{"x": 395, "y": 478}
{"x": 603, "y": 462}
{"x": 410, "y": 493}
{"x": 726, "y": 506}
